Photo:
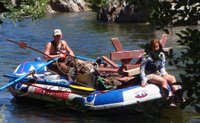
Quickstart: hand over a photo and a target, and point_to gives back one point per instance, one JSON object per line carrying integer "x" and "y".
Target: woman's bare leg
{"x": 171, "y": 80}
{"x": 156, "y": 79}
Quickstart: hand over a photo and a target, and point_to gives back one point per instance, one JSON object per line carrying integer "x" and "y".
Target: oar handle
{"x": 13, "y": 82}
{"x": 59, "y": 82}
{"x": 85, "y": 59}
{"x": 21, "y": 77}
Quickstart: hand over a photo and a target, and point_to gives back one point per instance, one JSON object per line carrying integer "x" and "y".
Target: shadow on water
{"x": 32, "y": 111}
{"x": 38, "y": 112}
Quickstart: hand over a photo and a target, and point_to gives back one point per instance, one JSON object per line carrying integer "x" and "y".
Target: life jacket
{"x": 152, "y": 66}
{"x": 59, "y": 49}
{"x": 156, "y": 63}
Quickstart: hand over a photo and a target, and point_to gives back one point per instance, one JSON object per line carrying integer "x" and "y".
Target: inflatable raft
{"x": 49, "y": 87}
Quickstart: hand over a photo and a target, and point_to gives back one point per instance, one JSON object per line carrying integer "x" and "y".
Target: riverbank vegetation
{"x": 21, "y": 9}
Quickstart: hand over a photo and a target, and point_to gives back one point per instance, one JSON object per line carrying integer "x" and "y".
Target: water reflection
{"x": 32, "y": 113}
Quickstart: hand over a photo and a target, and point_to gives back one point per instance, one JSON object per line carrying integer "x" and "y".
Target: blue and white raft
{"x": 50, "y": 87}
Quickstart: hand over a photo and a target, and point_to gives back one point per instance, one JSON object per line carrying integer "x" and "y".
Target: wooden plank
{"x": 117, "y": 44}
{"x": 107, "y": 69}
{"x": 126, "y": 54}
{"x": 126, "y": 78}
{"x": 131, "y": 72}
{"x": 131, "y": 66}
{"x": 106, "y": 59}
{"x": 120, "y": 55}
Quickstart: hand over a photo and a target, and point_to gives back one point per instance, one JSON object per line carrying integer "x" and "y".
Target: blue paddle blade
{"x": 25, "y": 75}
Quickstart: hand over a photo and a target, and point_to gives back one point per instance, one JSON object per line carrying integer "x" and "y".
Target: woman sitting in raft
{"x": 152, "y": 69}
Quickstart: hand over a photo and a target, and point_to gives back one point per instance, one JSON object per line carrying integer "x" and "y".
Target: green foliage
{"x": 96, "y": 5}
{"x": 190, "y": 61}
{"x": 176, "y": 13}
{"x": 25, "y": 8}
{"x": 161, "y": 14}
{"x": 3, "y": 9}
{"x": 182, "y": 13}
{"x": 137, "y": 2}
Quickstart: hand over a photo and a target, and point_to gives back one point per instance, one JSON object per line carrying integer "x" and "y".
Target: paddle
{"x": 25, "y": 75}
{"x": 61, "y": 82}
{"x": 23, "y": 44}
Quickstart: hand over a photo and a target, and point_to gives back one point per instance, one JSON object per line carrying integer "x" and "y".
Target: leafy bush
{"x": 190, "y": 62}
{"x": 96, "y": 5}
{"x": 175, "y": 13}
{"x": 24, "y": 8}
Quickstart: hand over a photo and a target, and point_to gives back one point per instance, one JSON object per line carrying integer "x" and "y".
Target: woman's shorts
{"x": 150, "y": 76}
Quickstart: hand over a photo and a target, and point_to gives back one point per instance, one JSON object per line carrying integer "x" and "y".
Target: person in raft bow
{"x": 152, "y": 68}
{"x": 58, "y": 48}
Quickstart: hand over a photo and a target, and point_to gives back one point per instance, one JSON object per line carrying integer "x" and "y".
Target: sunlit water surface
{"x": 89, "y": 38}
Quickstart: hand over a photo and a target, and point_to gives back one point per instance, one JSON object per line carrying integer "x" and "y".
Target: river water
{"x": 86, "y": 37}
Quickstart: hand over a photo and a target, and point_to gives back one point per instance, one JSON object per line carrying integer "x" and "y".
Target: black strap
{"x": 54, "y": 45}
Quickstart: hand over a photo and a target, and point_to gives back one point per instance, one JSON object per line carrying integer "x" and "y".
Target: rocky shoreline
{"x": 114, "y": 10}
{"x": 107, "y": 10}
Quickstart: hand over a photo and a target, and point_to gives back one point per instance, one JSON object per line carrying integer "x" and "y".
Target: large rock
{"x": 121, "y": 11}
{"x": 67, "y": 5}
